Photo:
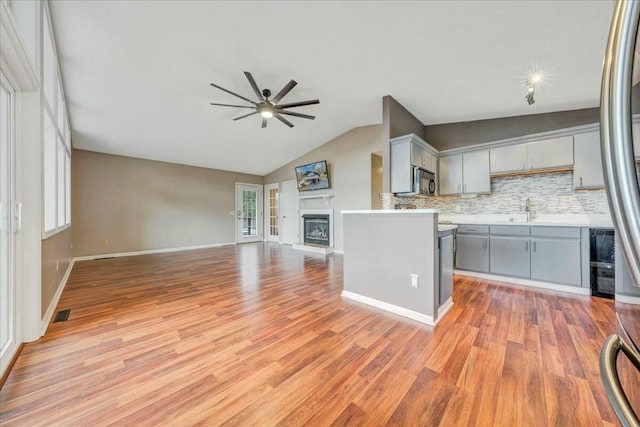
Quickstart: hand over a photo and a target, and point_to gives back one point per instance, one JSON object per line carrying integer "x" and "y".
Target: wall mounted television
{"x": 314, "y": 176}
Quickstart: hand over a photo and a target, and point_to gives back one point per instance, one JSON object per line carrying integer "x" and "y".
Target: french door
{"x": 7, "y": 282}
{"x": 248, "y": 213}
{"x": 272, "y": 212}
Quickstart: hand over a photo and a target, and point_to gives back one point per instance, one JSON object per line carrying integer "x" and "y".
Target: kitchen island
{"x": 392, "y": 261}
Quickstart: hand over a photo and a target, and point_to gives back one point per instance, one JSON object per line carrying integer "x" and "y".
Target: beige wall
{"x": 55, "y": 248}
{"x": 136, "y": 204}
{"x": 349, "y": 160}
{"x": 376, "y": 181}
{"x": 464, "y": 134}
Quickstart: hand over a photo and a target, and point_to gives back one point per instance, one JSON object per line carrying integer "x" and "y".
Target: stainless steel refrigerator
{"x": 620, "y": 98}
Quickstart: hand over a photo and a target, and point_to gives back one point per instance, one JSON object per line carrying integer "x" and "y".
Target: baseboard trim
{"x": 526, "y": 282}
{"x": 7, "y": 371}
{"x": 152, "y": 251}
{"x": 313, "y": 249}
{"x": 389, "y": 307}
{"x": 48, "y": 315}
{"x": 627, "y": 299}
{"x": 444, "y": 308}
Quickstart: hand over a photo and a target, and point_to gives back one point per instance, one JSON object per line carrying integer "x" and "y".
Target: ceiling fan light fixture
{"x": 268, "y": 108}
{"x": 266, "y": 111}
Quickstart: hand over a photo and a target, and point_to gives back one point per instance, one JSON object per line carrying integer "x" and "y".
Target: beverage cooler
{"x": 620, "y": 356}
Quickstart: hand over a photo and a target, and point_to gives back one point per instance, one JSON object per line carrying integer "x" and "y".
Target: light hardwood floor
{"x": 259, "y": 335}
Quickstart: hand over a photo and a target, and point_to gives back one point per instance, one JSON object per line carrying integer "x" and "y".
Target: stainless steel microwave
{"x": 424, "y": 182}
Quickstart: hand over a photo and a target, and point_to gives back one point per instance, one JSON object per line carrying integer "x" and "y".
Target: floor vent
{"x": 61, "y": 316}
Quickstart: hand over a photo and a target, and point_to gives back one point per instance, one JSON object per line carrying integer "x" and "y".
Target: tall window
{"x": 56, "y": 140}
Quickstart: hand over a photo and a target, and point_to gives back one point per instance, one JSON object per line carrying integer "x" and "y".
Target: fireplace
{"x": 316, "y": 229}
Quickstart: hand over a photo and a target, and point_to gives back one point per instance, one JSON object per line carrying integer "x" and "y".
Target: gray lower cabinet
{"x": 510, "y": 256}
{"x": 472, "y": 252}
{"x": 556, "y": 261}
{"x": 446, "y": 267}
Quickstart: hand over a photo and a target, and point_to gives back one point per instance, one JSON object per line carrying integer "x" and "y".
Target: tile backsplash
{"x": 550, "y": 193}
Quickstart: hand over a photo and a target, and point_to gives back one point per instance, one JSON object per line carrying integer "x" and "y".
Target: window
{"x": 49, "y": 175}
{"x": 56, "y": 140}
{"x": 48, "y": 64}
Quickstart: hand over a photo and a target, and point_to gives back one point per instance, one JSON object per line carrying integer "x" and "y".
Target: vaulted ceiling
{"x": 137, "y": 73}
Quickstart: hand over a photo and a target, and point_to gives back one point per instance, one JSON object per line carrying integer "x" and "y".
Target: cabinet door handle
{"x": 534, "y": 246}
{"x": 526, "y": 246}
{"x": 458, "y": 189}
{"x": 580, "y": 181}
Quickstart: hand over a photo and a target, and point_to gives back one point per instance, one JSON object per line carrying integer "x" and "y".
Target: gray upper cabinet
{"x": 475, "y": 172}
{"x": 450, "y": 174}
{"x": 511, "y": 158}
{"x": 466, "y": 173}
{"x": 408, "y": 151}
{"x": 546, "y": 154}
{"x": 587, "y": 170}
{"x": 550, "y": 153}
{"x": 509, "y": 256}
{"x": 472, "y": 252}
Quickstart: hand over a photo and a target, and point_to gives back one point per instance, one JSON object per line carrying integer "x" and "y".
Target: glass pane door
{"x": 272, "y": 201}
{"x": 249, "y": 212}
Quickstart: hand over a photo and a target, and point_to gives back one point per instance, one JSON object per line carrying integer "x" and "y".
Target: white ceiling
{"x": 137, "y": 73}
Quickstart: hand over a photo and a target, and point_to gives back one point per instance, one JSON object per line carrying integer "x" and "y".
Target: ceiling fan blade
{"x": 264, "y": 122}
{"x": 234, "y": 94}
{"x": 284, "y": 91}
{"x": 299, "y": 104}
{"x": 229, "y": 105}
{"x": 253, "y": 84}
{"x": 246, "y": 115}
{"x": 283, "y": 120}
{"x": 291, "y": 113}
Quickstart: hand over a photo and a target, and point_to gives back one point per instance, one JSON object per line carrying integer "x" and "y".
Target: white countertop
{"x": 541, "y": 220}
{"x": 391, "y": 211}
{"x": 446, "y": 227}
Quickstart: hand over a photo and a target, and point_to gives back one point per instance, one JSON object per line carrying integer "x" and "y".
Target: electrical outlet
{"x": 104, "y": 242}
{"x": 414, "y": 280}
{"x": 232, "y": 212}
{"x": 57, "y": 265}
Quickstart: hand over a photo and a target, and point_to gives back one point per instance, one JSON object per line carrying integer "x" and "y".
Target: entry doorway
{"x": 272, "y": 212}
{"x": 289, "y": 211}
{"x": 249, "y": 213}
{"x": 8, "y": 314}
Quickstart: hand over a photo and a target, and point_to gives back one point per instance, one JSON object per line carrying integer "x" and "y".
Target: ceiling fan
{"x": 266, "y": 107}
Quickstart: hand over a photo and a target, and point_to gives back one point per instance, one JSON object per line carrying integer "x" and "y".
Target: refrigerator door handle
{"x": 615, "y": 132}
{"x": 611, "y": 381}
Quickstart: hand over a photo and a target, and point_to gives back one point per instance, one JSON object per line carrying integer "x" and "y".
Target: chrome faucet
{"x": 527, "y": 209}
